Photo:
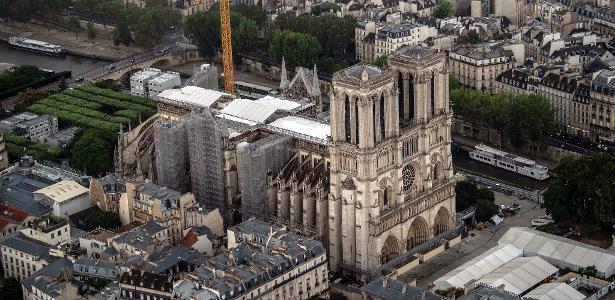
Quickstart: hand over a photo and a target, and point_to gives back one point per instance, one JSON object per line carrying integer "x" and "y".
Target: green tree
{"x": 335, "y": 35}
{"x": 92, "y": 152}
{"x": 153, "y": 24}
{"x": 325, "y": 7}
{"x": 591, "y": 271}
{"x": 583, "y": 190}
{"x": 453, "y": 82}
{"x": 468, "y": 194}
{"x": 204, "y": 31}
{"x": 444, "y": 10}
{"x": 75, "y": 24}
{"x": 104, "y": 219}
{"x": 381, "y": 61}
{"x": 91, "y": 30}
{"x": 21, "y": 75}
{"x": 251, "y": 12}
{"x": 522, "y": 119}
{"x": 121, "y": 33}
{"x": 473, "y": 37}
{"x": 245, "y": 35}
{"x": 203, "y": 28}
{"x": 298, "y": 49}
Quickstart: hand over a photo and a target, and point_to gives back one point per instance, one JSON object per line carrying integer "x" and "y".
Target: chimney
{"x": 501, "y": 287}
{"x": 384, "y": 282}
{"x": 403, "y": 289}
{"x": 423, "y": 295}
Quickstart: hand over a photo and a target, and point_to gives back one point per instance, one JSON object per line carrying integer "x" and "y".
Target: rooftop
{"x": 191, "y": 96}
{"x": 63, "y": 191}
{"x": 391, "y": 289}
{"x": 145, "y": 74}
{"x": 22, "y": 243}
{"x": 249, "y": 110}
{"x": 302, "y": 126}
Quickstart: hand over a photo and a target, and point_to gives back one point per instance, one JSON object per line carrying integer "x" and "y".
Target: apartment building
{"x": 478, "y": 66}
{"x": 391, "y": 37}
{"x": 271, "y": 263}
{"x": 603, "y": 107}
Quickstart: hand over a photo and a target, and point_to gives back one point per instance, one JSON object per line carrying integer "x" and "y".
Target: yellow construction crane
{"x": 227, "y": 46}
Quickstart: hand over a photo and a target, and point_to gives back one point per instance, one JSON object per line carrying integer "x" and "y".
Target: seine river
{"x": 76, "y": 64}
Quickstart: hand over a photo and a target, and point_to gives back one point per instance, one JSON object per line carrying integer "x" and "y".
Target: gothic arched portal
{"x": 419, "y": 233}
{"x": 390, "y": 250}
{"x": 442, "y": 222}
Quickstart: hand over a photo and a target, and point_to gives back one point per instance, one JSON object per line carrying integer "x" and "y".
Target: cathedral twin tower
{"x": 391, "y": 176}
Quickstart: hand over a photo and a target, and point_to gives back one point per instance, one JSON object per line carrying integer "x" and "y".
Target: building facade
{"x": 478, "y": 67}
{"x": 391, "y": 178}
{"x": 391, "y": 37}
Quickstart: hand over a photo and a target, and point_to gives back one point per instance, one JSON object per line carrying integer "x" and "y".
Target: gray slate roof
{"x": 22, "y": 243}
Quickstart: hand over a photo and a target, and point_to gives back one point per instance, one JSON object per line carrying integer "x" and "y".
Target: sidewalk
{"x": 101, "y": 47}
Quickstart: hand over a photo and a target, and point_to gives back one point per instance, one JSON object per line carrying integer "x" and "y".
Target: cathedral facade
{"x": 391, "y": 175}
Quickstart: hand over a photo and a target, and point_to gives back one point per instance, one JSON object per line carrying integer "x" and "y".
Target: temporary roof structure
{"x": 478, "y": 267}
{"x": 249, "y": 110}
{"x": 519, "y": 275}
{"x": 555, "y": 291}
{"x": 561, "y": 252}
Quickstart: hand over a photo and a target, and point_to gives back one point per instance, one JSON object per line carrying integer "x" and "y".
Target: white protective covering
{"x": 280, "y": 104}
{"x": 519, "y": 275}
{"x": 303, "y": 126}
{"x": 191, "y": 95}
{"x": 555, "y": 291}
{"x": 249, "y": 110}
{"x": 559, "y": 251}
{"x": 478, "y": 267}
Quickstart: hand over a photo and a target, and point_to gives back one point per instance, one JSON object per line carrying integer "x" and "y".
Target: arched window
{"x": 356, "y": 122}
{"x": 411, "y": 96}
{"x": 433, "y": 94}
{"x": 400, "y": 87}
{"x": 347, "y": 118}
{"x": 382, "y": 122}
{"x": 385, "y": 196}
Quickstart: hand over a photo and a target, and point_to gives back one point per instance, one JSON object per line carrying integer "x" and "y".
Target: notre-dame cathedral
{"x": 391, "y": 176}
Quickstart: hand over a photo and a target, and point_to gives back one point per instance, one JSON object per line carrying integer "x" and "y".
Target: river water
{"x": 76, "y": 64}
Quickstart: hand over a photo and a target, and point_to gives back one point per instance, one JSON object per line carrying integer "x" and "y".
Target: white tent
{"x": 478, "y": 267}
{"x": 519, "y": 275}
{"x": 555, "y": 291}
{"x": 559, "y": 251}
{"x": 249, "y": 110}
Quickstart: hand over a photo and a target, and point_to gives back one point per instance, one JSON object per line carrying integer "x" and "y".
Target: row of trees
{"x": 335, "y": 35}
{"x": 17, "y": 146}
{"x": 23, "y": 10}
{"x": 583, "y": 190}
{"x": 302, "y": 40}
{"x": 21, "y": 75}
{"x": 246, "y": 22}
{"x": 522, "y": 119}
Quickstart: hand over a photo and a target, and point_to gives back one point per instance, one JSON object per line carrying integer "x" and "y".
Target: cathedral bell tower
{"x": 391, "y": 185}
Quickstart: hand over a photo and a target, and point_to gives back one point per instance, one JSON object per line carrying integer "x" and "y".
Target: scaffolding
{"x": 205, "y": 148}
{"x": 254, "y": 161}
{"x": 172, "y": 155}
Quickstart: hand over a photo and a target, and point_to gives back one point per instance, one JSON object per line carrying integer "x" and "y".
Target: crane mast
{"x": 227, "y": 46}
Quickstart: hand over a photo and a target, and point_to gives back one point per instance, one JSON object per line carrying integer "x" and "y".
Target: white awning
{"x": 555, "y": 291}
{"x": 519, "y": 275}
{"x": 478, "y": 267}
{"x": 559, "y": 251}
